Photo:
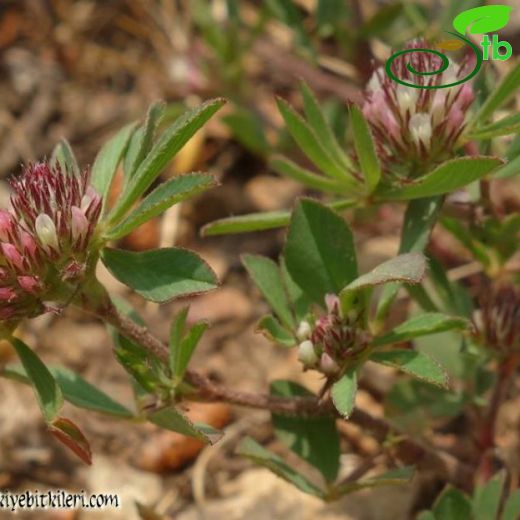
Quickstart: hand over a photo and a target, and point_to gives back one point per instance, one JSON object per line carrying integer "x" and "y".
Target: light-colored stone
{"x": 259, "y": 495}
{"x": 131, "y": 486}
{"x": 225, "y": 304}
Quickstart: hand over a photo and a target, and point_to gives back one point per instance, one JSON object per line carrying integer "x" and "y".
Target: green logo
{"x": 479, "y": 20}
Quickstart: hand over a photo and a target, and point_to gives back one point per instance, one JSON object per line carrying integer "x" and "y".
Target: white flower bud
{"x": 450, "y": 75}
{"x": 304, "y": 330}
{"x": 438, "y": 108}
{"x": 421, "y": 128}
{"x": 307, "y": 354}
{"x": 46, "y": 231}
{"x": 406, "y": 99}
{"x": 85, "y": 202}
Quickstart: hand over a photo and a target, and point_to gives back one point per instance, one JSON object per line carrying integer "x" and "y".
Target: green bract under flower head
{"x": 45, "y": 239}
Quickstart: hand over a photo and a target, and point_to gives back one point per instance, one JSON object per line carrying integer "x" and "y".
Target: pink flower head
{"x": 415, "y": 127}
{"x": 334, "y": 340}
{"x": 45, "y": 241}
{"x": 60, "y": 210}
{"x": 497, "y": 323}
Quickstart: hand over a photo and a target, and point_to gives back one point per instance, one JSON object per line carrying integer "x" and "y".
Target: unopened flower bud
{"x": 328, "y": 365}
{"x": 307, "y": 354}
{"x": 28, "y": 244}
{"x": 304, "y": 330}
{"x": 91, "y": 195}
{"x": 7, "y": 294}
{"x": 91, "y": 204}
{"x": 438, "y": 108}
{"x": 30, "y": 284}
{"x": 79, "y": 225}
{"x": 46, "y": 231}
{"x": 455, "y": 119}
{"x": 332, "y": 302}
{"x": 85, "y": 202}
{"x": 421, "y": 128}
{"x": 466, "y": 96}
{"x": 406, "y": 99}
{"x": 12, "y": 255}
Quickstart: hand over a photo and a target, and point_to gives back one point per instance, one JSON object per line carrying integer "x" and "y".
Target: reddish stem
{"x": 408, "y": 450}
{"x": 486, "y": 438}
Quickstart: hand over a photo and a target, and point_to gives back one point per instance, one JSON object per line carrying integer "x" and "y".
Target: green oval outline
{"x": 444, "y": 66}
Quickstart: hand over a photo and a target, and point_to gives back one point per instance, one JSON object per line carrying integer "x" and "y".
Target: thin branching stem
{"x": 408, "y": 450}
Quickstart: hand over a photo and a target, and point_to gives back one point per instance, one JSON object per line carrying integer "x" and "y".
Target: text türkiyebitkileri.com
{"x": 55, "y": 499}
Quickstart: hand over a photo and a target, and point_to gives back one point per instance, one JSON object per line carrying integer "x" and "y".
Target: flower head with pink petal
{"x": 415, "y": 128}
{"x": 46, "y": 236}
{"x": 333, "y": 340}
